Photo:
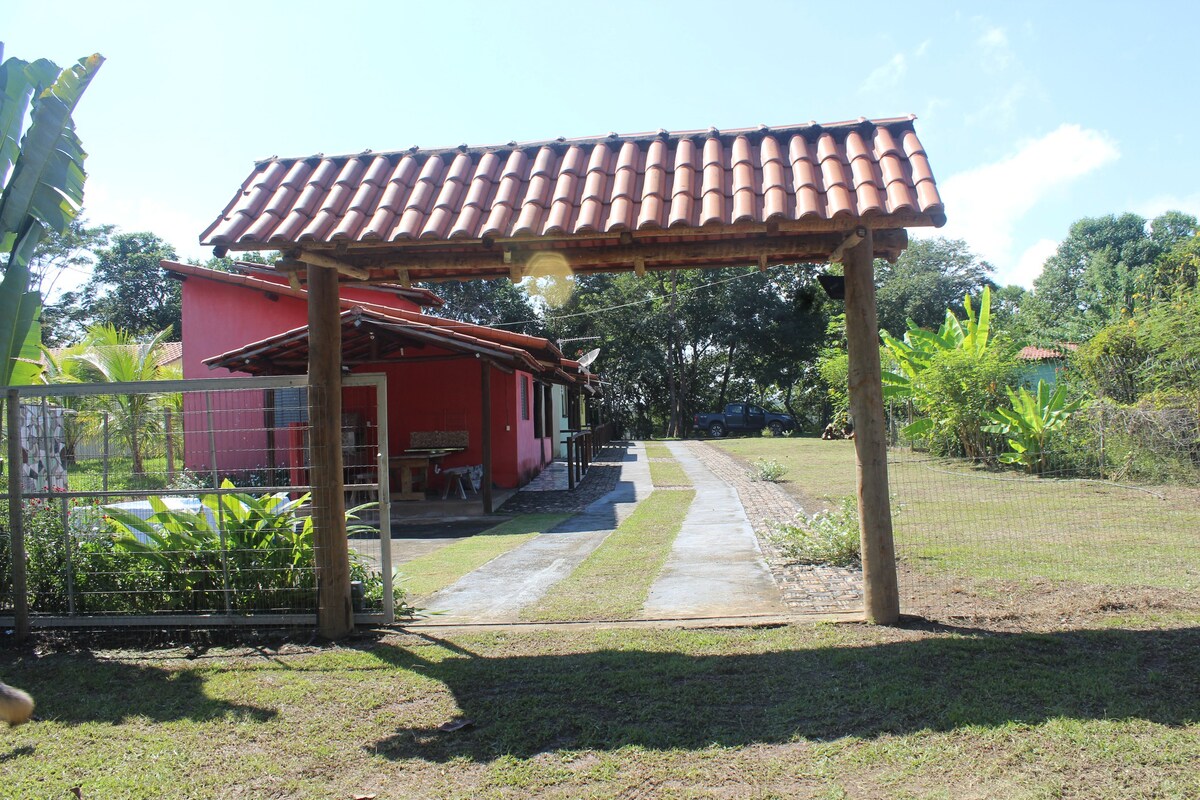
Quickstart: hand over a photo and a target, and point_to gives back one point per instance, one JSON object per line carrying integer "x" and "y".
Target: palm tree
{"x": 115, "y": 356}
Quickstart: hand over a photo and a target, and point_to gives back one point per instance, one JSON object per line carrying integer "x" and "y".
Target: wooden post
{"x": 881, "y": 595}
{"x": 15, "y": 521}
{"x": 335, "y": 614}
{"x": 485, "y": 383}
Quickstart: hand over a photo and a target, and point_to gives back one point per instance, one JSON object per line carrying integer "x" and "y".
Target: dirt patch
{"x": 1038, "y": 605}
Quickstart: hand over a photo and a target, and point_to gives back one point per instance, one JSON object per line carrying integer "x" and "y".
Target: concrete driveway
{"x": 715, "y": 568}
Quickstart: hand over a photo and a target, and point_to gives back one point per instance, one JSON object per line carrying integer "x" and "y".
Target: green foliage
{"x": 1030, "y": 422}
{"x": 1105, "y": 270}
{"x": 766, "y": 470}
{"x": 952, "y": 378}
{"x": 114, "y": 356}
{"x": 929, "y": 276}
{"x": 830, "y": 537}
{"x": 958, "y": 391}
{"x": 261, "y": 547}
{"x": 130, "y": 291}
{"x": 488, "y": 302}
{"x": 41, "y": 170}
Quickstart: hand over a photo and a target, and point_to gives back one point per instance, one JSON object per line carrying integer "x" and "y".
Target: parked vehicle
{"x": 743, "y": 418}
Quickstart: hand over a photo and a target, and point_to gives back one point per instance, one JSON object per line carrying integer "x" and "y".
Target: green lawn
{"x": 88, "y": 474}
{"x": 664, "y": 469}
{"x": 955, "y": 520}
{"x": 425, "y": 575}
{"x": 797, "y": 711}
{"x": 613, "y": 582}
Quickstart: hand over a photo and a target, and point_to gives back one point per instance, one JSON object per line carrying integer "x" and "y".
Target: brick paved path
{"x": 806, "y": 588}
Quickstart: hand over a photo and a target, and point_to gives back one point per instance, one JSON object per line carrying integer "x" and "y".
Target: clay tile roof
{"x": 811, "y": 177}
{"x": 1035, "y": 353}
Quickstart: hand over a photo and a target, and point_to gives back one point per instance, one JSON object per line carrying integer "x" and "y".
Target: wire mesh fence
{"x": 183, "y": 501}
{"x": 1104, "y": 515}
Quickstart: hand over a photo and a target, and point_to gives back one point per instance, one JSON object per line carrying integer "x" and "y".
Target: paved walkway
{"x": 715, "y": 568}
{"x": 499, "y": 590}
{"x": 806, "y": 588}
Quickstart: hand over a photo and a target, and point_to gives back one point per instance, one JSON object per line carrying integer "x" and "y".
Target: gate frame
{"x": 20, "y": 620}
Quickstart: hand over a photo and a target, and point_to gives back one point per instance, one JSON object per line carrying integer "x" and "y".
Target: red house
{"x": 252, "y": 322}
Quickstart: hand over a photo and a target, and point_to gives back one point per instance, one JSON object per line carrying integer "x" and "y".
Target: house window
{"x": 524, "y": 397}
{"x": 539, "y": 418}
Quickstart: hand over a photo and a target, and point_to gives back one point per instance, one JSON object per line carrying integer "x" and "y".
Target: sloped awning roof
{"x": 371, "y": 337}
{"x": 641, "y": 201}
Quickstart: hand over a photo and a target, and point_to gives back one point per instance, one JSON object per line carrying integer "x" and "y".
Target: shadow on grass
{"x": 76, "y": 688}
{"x": 662, "y": 700}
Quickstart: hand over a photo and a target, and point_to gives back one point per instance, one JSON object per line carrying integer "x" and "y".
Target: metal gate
{"x": 184, "y": 503}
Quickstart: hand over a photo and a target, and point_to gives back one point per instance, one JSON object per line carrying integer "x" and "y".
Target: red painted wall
{"x": 219, "y": 317}
{"x": 422, "y": 395}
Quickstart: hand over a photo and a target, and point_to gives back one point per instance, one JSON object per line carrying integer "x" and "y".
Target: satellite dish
{"x": 587, "y": 358}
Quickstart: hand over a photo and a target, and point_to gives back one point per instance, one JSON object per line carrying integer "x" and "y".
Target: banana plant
{"x": 914, "y": 353}
{"x": 41, "y": 188}
{"x": 1031, "y": 421}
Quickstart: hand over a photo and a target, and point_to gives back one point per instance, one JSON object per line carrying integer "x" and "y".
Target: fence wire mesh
{"x": 181, "y": 501}
{"x": 1104, "y": 517}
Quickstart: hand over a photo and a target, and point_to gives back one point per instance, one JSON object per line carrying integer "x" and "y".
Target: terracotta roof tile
{"x": 603, "y": 185}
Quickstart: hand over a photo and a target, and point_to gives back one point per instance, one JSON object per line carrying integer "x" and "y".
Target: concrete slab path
{"x": 715, "y": 568}
{"x": 497, "y": 591}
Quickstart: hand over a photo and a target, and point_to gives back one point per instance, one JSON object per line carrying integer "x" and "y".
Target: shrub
{"x": 769, "y": 471}
{"x": 829, "y": 537}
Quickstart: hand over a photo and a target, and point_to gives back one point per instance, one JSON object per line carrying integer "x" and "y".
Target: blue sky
{"x": 1033, "y": 114}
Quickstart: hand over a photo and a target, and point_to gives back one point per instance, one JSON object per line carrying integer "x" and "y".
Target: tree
{"x": 1101, "y": 272}
{"x": 496, "y": 303}
{"x": 929, "y": 277}
{"x": 114, "y": 356}
{"x": 129, "y": 290}
{"x": 64, "y": 320}
{"x": 42, "y": 177}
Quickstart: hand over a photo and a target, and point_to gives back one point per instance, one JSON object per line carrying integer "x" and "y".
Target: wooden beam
{"x": 328, "y": 262}
{"x": 485, "y": 384}
{"x": 881, "y": 596}
{"x": 335, "y": 614}
{"x": 468, "y": 262}
{"x": 852, "y": 239}
{"x": 639, "y": 266}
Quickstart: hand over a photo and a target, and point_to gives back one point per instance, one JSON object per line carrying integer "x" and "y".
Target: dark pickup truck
{"x": 743, "y": 418}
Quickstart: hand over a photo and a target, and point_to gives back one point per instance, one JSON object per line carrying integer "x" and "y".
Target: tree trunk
{"x": 723, "y": 394}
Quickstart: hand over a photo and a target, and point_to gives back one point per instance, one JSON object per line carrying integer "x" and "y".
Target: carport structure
{"x": 841, "y": 192}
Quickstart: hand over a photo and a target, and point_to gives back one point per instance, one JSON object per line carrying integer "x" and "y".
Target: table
{"x": 414, "y": 464}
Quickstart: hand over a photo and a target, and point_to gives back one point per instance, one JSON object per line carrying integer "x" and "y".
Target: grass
{"x": 955, "y": 520}
{"x": 796, "y": 711}
{"x": 664, "y": 469}
{"x": 87, "y": 475}
{"x": 613, "y": 582}
{"x": 425, "y": 575}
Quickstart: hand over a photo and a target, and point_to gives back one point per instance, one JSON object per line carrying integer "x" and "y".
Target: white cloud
{"x": 1001, "y": 111}
{"x": 173, "y": 225}
{"x": 922, "y": 48}
{"x": 886, "y": 76}
{"x": 1029, "y": 265}
{"x": 994, "y": 38}
{"x": 985, "y": 204}
{"x": 1188, "y": 203}
{"x": 994, "y": 50}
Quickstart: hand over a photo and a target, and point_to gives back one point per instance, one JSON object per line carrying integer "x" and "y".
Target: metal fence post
{"x": 216, "y": 479}
{"x": 385, "y": 503}
{"x": 15, "y": 521}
